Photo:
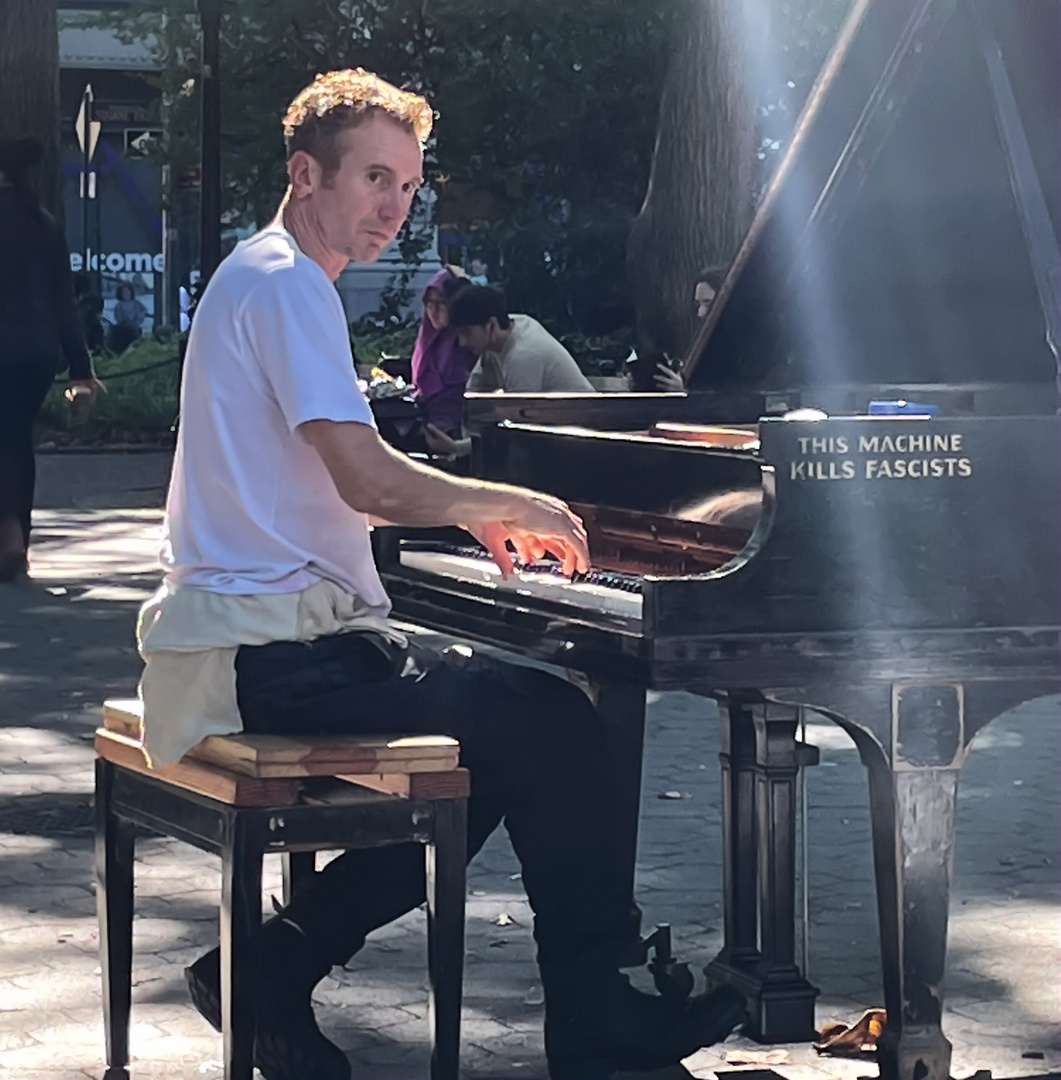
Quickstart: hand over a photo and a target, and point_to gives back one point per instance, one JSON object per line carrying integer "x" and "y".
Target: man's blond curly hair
{"x": 340, "y": 100}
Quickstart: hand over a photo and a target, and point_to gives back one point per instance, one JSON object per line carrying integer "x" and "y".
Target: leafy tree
{"x": 739, "y": 73}
{"x": 547, "y": 115}
{"x": 29, "y": 84}
{"x": 699, "y": 197}
{"x": 548, "y": 112}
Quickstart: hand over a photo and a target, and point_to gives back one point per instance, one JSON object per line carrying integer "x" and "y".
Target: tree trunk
{"x": 699, "y": 200}
{"x": 29, "y": 84}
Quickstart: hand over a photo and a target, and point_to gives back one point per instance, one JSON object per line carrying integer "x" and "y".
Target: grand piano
{"x": 899, "y": 575}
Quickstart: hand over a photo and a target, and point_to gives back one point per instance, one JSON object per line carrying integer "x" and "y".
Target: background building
{"x": 124, "y": 240}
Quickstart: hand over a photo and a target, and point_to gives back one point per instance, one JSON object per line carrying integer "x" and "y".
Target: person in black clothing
{"x": 40, "y": 334}
{"x": 90, "y": 310}
{"x": 652, "y": 371}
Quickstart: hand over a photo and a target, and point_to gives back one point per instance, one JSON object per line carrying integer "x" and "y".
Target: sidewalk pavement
{"x": 66, "y": 642}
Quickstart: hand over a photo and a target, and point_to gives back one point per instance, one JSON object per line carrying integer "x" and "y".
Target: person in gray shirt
{"x": 516, "y": 353}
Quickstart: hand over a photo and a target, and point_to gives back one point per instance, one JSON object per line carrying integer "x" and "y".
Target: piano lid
{"x": 890, "y": 247}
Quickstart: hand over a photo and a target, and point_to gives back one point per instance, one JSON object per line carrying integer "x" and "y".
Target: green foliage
{"x": 372, "y": 343}
{"x": 789, "y": 62}
{"x": 138, "y": 405}
{"x": 142, "y": 406}
{"x": 547, "y": 116}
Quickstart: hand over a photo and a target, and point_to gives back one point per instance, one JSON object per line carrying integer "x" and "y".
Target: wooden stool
{"x": 241, "y": 796}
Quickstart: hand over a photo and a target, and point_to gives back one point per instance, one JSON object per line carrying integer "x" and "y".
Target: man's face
{"x": 705, "y": 297}
{"x": 365, "y": 202}
{"x": 480, "y": 339}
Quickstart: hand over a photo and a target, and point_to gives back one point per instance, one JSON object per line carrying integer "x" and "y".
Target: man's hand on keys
{"x": 545, "y": 526}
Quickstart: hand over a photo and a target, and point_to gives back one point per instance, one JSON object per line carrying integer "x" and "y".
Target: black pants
{"x": 534, "y": 746}
{"x": 23, "y": 387}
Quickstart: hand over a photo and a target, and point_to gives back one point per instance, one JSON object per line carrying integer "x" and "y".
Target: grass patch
{"x": 140, "y": 406}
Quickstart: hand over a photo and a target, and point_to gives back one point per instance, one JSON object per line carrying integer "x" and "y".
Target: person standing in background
{"x": 41, "y": 333}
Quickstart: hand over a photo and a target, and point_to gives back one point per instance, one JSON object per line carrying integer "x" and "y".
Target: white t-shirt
{"x": 251, "y": 509}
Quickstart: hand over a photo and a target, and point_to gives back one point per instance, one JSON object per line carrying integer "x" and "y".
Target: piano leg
{"x": 740, "y": 883}
{"x": 912, "y": 805}
{"x": 761, "y": 758}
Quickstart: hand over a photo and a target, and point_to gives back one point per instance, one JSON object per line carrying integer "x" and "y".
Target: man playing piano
{"x": 272, "y": 618}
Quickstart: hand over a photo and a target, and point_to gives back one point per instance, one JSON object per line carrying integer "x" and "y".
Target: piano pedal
{"x": 672, "y": 977}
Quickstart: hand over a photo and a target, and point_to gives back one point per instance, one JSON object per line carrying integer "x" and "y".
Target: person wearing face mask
{"x": 40, "y": 333}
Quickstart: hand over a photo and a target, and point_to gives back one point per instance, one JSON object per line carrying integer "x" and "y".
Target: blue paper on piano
{"x": 901, "y": 408}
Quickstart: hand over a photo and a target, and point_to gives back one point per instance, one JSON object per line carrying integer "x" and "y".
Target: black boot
{"x": 288, "y": 1044}
{"x": 597, "y": 1024}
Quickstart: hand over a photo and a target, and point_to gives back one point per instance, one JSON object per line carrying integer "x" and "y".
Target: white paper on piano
{"x": 547, "y": 586}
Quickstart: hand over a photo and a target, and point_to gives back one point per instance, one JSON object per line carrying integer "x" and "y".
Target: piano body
{"x": 899, "y": 575}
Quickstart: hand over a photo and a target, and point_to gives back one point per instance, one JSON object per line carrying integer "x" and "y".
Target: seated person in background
{"x": 650, "y": 372}
{"x": 129, "y": 315}
{"x": 516, "y": 353}
{"x": 441, "y": 365}
{"x": 479, "y": 271}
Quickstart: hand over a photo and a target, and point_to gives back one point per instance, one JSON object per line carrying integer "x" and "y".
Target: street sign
{"x": 139, "y": 141}
{"x": 87, "y": 129}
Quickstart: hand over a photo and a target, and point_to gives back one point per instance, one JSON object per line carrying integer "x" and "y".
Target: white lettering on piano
{"x": 916, "y": 468}
{"x": 833, "y": 444}
{"x": 822, "y": 470}
{"x": 909, "y": 444}
{"x": 924, "y": 455}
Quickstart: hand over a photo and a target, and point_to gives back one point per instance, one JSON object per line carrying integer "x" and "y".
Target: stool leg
{"x": 241, "y": 923}
{"x": 446, "y": 865}
{"x": 297, "y": 866}
{"x": 114, "y": 907}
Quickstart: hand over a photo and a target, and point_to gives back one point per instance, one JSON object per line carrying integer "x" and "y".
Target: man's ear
{"x": 304, "y": 172}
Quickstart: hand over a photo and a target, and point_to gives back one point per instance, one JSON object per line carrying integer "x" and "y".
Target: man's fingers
{"x": 524, "y": 550}
{"x": 495, "y": 544}
{"x": 573, "y": 556}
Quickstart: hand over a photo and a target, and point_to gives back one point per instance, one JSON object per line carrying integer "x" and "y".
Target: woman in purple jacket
{"x": 440, "y": 365}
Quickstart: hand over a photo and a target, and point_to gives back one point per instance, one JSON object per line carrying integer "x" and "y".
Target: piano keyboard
{"x": 613, "y": 594}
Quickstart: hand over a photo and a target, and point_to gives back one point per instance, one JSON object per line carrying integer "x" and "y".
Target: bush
{"x": 371, "y": 343}
{"x": 136, "y": 406}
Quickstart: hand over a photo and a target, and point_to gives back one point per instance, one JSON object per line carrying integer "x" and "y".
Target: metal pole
{"x": 86, "y": 164}
{"x": 210, "y": 140}
{"x": 804, "y": 851}
{"x": 1028, "y": 195}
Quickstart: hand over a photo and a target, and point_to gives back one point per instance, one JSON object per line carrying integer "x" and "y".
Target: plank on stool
{"x": 420, "y": 787}
{"x": 202, "y": 778}
{"x": 265, "y": 756}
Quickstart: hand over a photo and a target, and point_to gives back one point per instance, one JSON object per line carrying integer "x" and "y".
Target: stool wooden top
{"x": 265, "y": 770}
{"x": 267, "y": 756}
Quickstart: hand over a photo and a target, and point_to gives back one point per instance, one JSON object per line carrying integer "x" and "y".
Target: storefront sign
{"x": 139, "y": 262}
